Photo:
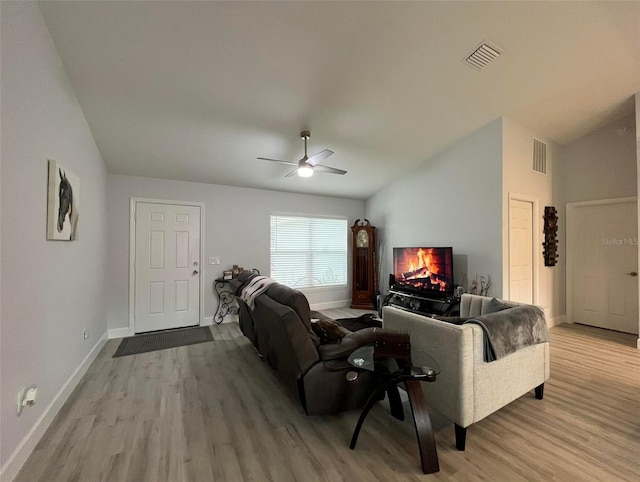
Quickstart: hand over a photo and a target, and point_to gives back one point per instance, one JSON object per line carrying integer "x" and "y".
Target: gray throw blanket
{"x": 510, "y": 330}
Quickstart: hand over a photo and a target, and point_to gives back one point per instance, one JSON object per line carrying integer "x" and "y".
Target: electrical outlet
{"x": 27, "y": 398}
{"x": 85, "y": 334}
{"x": 214, "y": 260}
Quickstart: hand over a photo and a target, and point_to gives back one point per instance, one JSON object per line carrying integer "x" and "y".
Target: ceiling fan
{"x": 307, "y": 165}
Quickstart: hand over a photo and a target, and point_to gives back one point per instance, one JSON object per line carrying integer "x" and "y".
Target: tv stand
{"x": 421, "y": 304}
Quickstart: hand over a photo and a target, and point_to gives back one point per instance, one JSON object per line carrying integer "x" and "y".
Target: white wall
{"x": 599, "y": 165}
{"x": 236, "y": 229}
{"x": 51, "y": 290}
{"x": 519, "y": 180}
{"x": 453, "y": 199}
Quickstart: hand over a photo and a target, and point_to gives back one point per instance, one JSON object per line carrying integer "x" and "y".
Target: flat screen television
{"x": 424, "y": 270}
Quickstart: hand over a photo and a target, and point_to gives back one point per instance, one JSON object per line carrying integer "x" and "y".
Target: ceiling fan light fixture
{"x": 307, "y": 165}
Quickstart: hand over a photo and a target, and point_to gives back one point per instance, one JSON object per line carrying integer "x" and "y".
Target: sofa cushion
{"x": 235, "y": 285}
{"x": 285, "y": 343}
{"x": 294, "y": 299}
{"x": 494, "y": 306}
{"x": 456, "y": 320}
{"x": 245, "y": 276}
{"x": 474, "y": 305}
{"x": 240, "y": 281}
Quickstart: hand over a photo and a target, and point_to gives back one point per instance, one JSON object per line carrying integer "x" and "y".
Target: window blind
{"x": 308, "y": 252}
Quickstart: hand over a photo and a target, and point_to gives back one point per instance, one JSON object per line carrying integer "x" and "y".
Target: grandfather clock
{"x": 363, "y": 283}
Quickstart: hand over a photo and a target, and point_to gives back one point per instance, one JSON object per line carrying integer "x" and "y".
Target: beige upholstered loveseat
{"x": 469, "y": 389}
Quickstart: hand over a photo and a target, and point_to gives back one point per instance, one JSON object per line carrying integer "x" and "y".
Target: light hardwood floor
{"x": 214, "y": 411}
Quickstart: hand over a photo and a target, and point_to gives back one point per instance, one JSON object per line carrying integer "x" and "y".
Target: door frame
{"x": 132, "y": 254}
{"x": 535, "y": 265}
{"x": 570, "y": 207}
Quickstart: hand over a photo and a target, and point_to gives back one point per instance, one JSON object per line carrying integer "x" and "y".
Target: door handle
{"x": 195, "y": 271}
{"x": 633, "y": 273}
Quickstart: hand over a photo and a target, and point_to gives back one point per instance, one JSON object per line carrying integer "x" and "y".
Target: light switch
{"x": 214, "y": 260}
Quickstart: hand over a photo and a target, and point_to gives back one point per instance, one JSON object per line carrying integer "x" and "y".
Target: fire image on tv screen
{"x": 424, "y": 269}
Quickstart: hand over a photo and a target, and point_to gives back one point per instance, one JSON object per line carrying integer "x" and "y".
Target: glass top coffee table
{"x": 391, "y": 372}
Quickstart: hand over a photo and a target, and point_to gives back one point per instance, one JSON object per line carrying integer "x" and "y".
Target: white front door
{"x": 167, "y": 266}
{"x": 521, "y": 251}
{"x": 604, "y": 264}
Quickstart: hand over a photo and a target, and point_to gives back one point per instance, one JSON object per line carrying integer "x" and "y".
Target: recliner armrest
{"x": 346, "y": 345}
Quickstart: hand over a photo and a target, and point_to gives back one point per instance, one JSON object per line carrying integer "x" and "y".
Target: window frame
{"x": 309, "y": 271}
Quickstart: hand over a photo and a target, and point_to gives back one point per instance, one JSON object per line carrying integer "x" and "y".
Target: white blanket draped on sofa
{"x": 254, "y": 288}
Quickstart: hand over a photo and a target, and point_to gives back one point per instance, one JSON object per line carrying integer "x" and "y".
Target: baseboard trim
{"x": 207, "y": 321}
{"x": 557, "y": 320}
{"x": 330, "y": 305}
{"x": 119, "y": 333}
{"x": 20, "y": 455}
{"x": 227, "y": 319}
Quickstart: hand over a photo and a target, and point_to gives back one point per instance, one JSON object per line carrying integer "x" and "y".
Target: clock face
{"x": 362, "y": 239}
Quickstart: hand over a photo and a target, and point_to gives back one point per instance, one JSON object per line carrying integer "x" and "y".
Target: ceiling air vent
{"x": 539, "y": 156}
{"x": 482, "y": 56}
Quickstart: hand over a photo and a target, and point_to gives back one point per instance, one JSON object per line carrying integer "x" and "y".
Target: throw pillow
{"x": 495, "y": 306}
{"x": 328, "y": 330}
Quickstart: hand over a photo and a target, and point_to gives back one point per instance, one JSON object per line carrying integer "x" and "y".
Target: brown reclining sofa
{"x": 279, "y": 327}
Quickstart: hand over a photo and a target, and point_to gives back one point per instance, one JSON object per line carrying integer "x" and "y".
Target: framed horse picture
{"x": 63, "y": 203}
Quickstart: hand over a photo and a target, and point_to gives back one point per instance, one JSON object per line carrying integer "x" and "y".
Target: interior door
{"x": 167, "y": 266}
{"x": 604, "y": 244}
{"x": 521, "y": 251}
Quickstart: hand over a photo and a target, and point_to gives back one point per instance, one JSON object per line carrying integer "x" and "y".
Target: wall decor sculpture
{"x": 63, "y": 203}
{"x": 550, "y": 244}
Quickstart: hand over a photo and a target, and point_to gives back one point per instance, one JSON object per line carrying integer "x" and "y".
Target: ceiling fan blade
{"x": 331, "y": 170}
{"x": 319, "y": 157}
{"x": 278, "y": 160}
{"x": 295, "y": 171}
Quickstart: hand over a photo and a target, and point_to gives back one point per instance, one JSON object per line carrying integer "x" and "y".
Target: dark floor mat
{"x": 163, "y": 340}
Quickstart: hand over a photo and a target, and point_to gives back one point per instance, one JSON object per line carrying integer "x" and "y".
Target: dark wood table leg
{"x": 395, "y": 403}
{"x": 375, "y": 396}
{"x": 424, "y": 430}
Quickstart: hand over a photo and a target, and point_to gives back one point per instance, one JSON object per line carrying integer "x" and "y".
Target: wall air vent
{"x": 482, "y": 56}
{"x": 539, "y": 156}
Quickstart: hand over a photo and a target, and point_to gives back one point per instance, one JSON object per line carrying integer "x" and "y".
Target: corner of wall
{"x": 50, "y": 125}
{"x": 638, "y": 180}
{"x": 467, "y": 179}
{"x": 520, "y": 180}
{"x": 19, "y": 456}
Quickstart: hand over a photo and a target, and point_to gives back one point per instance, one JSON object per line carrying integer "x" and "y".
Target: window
{"x": 308, "y": 252}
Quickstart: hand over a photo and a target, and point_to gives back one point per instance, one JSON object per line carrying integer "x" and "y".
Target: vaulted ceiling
{"x": 197, "y": 91}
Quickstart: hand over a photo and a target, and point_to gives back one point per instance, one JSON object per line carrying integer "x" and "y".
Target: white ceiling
{"x": 197, "y": 90}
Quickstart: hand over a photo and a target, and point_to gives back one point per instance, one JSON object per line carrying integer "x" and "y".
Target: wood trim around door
{"x": 536, "y": 242}
{"x": 132, "y": 250}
